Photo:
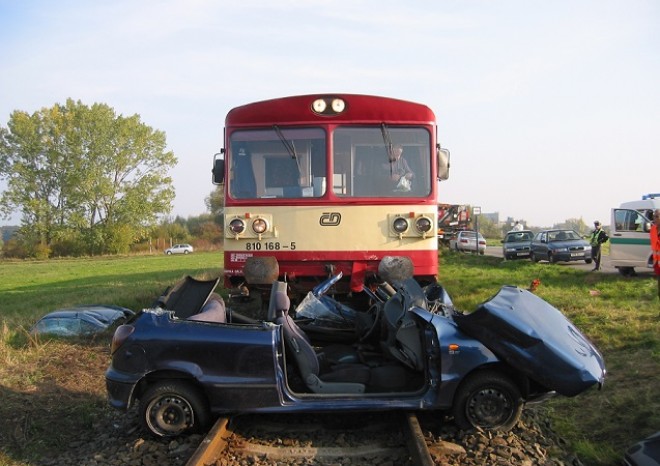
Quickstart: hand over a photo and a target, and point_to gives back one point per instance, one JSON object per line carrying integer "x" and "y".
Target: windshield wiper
{"x": 387, "y": 138}
{"x": 289, "y": 145}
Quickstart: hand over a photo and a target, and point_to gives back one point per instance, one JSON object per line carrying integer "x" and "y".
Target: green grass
{"x": 31, "y": 289}
{"x": 56, "y": 382}
{"x": 53, "y": 390}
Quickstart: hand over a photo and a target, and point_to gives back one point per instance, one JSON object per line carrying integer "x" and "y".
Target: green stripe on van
{"x": 639, "y": 241}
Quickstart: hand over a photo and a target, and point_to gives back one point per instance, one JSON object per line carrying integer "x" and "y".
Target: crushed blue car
{"x": 192, "y": 358}
{"x": 81, "y": 320}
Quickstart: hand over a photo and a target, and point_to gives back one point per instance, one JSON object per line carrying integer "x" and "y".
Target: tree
{"x": 488, "y": 228}
{"x": 215, "y": 203}
{"x": 84, "y": 172}
{"x": 576, "y": 224}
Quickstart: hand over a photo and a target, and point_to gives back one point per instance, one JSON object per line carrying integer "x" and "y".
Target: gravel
{"x": 117, "y": 440}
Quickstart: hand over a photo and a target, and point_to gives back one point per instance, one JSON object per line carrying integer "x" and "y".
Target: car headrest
{"x": 282, "y": 301}
{"x": 277, "y": 287}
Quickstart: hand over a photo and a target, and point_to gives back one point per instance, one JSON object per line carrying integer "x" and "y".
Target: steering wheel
{"x": 323, "y": 287}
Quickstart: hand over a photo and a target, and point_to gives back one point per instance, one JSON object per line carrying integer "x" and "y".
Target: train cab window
{"x": 365, "y": 164}
{"x": 282, "y": 163}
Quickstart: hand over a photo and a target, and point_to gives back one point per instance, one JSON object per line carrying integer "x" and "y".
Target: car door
{"x": 630, "y": 243}
{"x": 540, "y": 246}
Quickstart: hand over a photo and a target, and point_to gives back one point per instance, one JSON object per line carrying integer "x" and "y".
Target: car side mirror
{"x": 647, "y": 227}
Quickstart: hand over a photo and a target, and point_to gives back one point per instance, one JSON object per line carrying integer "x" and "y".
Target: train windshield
{"x": 375, "y": 161}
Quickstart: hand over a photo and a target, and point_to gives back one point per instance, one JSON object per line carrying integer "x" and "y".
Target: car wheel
{"x": 551, "y": 258}
{"x": 627, "y": 271}
{"x": 533, "y": 257}
{"x": 185, "y": 252}
{"x": 171, "y": 408}
{"x": 588, "y": 261}
{"x": 169, "y": 253}
{"x": 487, "y": 400}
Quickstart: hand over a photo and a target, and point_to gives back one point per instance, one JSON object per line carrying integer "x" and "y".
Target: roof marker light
{"x": 319, "y": 106}
{"x": 338, "y": 105}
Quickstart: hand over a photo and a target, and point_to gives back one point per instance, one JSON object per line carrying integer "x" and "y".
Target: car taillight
{"x": 120, "y": 336}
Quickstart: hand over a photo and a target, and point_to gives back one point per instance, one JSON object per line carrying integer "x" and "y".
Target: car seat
{"x": 400, "y": 333}
{"x": 339, "y": 378}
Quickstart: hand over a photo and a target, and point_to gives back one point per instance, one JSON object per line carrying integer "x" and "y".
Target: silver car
{"x": 466, "y": 240}
{"x": 179, "y": 249}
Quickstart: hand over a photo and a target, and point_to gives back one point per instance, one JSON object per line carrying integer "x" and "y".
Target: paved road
{"x": 496, "y": 251}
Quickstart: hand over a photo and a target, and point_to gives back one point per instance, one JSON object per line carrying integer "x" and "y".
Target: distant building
{"x": 7, "y": 232}
{"x": 493, "y": 217}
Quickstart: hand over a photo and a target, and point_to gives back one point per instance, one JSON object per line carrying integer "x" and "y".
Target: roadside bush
{"x": 40, "y": 251}
{"x": 13, "y": 249}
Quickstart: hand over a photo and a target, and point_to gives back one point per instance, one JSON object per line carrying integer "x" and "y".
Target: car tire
{"x": 487, "y": 400}
{"x": 185, "y": 252}
{"x": 551, "y": 258}
{"x": 169, "y": 253}
{"x": 172, "y": 407}
{"x": 533, "y": 257}
{"x": 627, "y": 271}
{"x": 588, "y": 261}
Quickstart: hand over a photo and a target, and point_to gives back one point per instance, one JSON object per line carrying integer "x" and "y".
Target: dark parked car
{"x": 517, "y": 244}
{"x": 81, "y": 320}
{"x": 560, "y": 246}
{"x": 414, "y": 350}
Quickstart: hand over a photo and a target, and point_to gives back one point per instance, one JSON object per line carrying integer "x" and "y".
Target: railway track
{"x": 321, "y": 439}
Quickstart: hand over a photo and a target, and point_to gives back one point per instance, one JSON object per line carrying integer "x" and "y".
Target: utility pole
{"x": 476, "y": 211}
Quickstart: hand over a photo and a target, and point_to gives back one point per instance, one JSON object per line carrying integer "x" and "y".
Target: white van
{"x": 630, "y": 244}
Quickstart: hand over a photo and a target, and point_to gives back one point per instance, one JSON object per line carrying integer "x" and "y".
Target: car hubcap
{"x": 170, "y": 415}
{"x": 488, "y": 407}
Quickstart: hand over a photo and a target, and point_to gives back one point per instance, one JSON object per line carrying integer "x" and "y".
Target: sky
{"x": 551, "y": 109}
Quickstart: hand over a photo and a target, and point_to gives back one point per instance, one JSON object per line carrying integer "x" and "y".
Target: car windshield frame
{"x": 562, "y": 235}
{"x": 519, "y": 237}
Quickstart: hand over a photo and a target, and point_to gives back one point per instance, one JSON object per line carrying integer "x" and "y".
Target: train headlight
{"x": 319, "y": 105}
{"x": 237, "y": 226}
{"x": 338, "y": 105}
{"x": 328, "y": 106}
{"x": 423, "y": 224}
{"x": 259, "y": 226}
{"x": 400, "y": 225}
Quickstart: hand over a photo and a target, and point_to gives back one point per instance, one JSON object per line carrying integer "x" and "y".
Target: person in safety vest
{"x": 598, "y": 237}
{"x": 655, "y": 246}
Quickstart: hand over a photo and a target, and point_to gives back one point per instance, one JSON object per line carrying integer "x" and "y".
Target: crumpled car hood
{"x": 536, "y": 338}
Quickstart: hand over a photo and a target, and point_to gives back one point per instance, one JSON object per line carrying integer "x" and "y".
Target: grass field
{"x": 52, "y": 389}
